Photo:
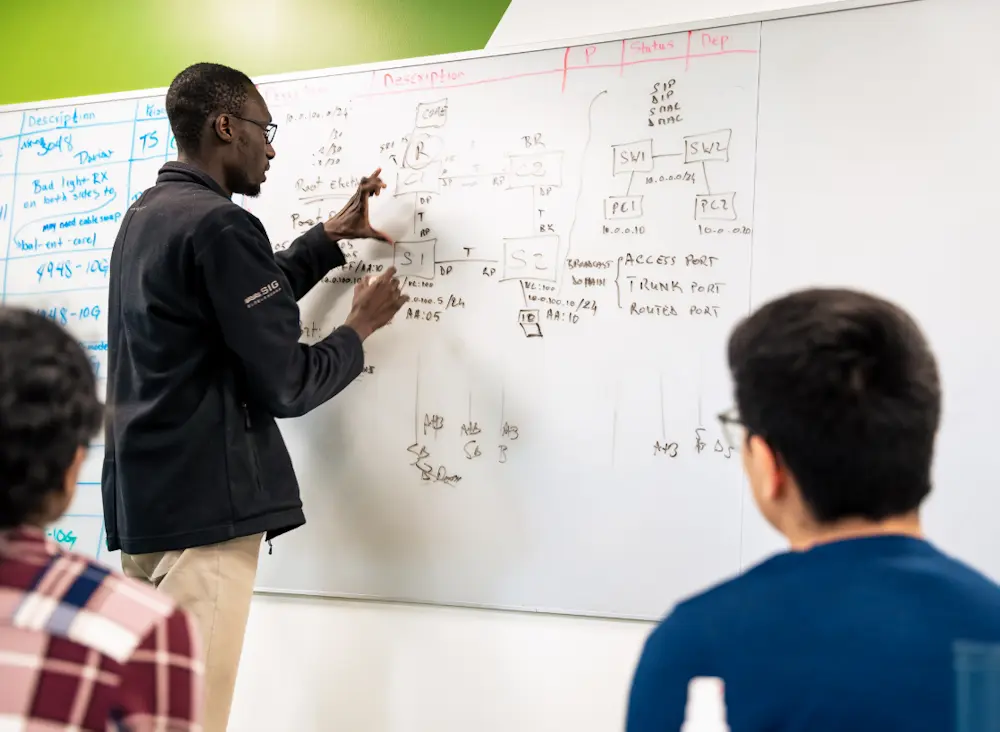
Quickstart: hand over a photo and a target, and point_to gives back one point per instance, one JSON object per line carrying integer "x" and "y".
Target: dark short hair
{"x": 844, "y": 388}
{"x": 48, "y": 409}
{"x": 197, "y": 93}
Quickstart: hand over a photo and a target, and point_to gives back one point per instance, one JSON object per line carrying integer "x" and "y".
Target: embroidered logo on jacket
{"x": 262, "y": 294}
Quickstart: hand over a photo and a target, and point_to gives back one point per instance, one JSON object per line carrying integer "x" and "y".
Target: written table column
{"x": 10, "y": 139}
{"x": 70, "y": 193}
{"x": 152, "y": 145}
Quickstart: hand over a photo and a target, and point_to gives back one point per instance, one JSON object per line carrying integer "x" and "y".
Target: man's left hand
{"x": 351, "y": 222}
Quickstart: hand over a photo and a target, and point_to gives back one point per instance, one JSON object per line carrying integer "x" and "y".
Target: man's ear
{"x": 223, "y": 128}
{"x": 767, "y": 468}
{"x": 59, "y": 501}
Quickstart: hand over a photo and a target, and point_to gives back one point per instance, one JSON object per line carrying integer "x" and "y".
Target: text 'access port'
{"x": 531, "y": 258}
{"x": 415, "y": 258}
{"x": 535, "y": 169}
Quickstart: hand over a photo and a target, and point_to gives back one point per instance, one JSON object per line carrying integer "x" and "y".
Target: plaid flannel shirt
{"x": 82, "y": 648}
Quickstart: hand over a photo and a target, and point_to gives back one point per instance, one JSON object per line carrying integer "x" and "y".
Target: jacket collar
{"x": 178, "y": 172}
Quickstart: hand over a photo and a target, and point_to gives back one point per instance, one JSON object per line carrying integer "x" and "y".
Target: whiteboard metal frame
{"x": 345, "y": 597}
{"x": 834, "y": 6}
{"x": 761, "y": 16}
{"x": 825, "y": 8}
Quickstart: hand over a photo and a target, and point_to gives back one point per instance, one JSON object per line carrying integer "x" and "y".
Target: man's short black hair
{"x": 844, "y": 388}
{"x": 199, "y": 92}
{"x": 48, "y": 410}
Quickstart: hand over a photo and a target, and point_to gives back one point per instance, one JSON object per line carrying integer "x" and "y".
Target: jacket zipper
{"x": 253, "y": 446}
{"x": 256, "y": 462}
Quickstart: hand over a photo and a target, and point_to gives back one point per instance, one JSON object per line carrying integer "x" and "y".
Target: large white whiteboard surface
{"x": 579, "y": 228}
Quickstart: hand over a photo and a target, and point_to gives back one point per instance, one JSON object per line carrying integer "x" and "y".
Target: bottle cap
{"x": 706, "y": 706}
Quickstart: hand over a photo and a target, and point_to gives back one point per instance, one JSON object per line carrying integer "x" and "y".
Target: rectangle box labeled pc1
{"x": 622, "y": 207}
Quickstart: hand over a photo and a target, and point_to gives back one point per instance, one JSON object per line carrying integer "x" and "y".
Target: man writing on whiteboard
{"x": 204, "y": 355}
{"x": 862, "y": 624}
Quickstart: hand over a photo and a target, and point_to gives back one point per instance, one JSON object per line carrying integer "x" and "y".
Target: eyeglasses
{"x": 734, "y": 431}
{"x": 270, "y": 129}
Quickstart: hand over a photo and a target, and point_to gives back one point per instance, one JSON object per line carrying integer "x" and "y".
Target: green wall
{"x": 62, "y": 48}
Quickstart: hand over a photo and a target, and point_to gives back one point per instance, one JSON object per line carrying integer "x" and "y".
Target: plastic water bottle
{"x": 977, "y": 692}
{"x": 706, "y": 706}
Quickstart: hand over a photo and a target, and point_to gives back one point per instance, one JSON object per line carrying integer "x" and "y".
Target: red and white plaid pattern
{"x": 82, "y": 648}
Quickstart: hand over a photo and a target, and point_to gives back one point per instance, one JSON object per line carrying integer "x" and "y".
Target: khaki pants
{"x": 214, "y": 583}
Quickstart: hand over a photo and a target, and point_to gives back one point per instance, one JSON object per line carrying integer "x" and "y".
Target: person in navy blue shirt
{"x": 854, "y": 629}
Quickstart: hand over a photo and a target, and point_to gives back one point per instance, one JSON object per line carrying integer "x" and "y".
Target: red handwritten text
{"x": 709, "y": 40}
{"x": 421, "y": 78}
{"x": 650, "y": 46}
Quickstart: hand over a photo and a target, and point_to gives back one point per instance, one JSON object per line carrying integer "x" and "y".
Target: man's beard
{"x": 239, "y": 183}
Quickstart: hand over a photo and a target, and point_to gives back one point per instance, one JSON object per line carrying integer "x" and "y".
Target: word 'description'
{"x": 421, "y": 78}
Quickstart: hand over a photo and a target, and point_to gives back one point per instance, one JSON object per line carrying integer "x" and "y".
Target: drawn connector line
{"x": 310, "y": 200}
{"x": 663, "y": 412}
{"x": 579, "y": 193}
{"x": 416, "y": 402}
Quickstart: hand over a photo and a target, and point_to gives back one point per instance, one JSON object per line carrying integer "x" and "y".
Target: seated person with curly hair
{"x": 81, "y": 647}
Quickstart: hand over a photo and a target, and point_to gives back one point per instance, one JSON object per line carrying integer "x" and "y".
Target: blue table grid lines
{"x": 13, "y": 207}
{"x": 90, "y": 166}
{"x": 34, "y": 293}
{"x": 100, "y": 540}
{"x": 128, "y": 189}
{"x": 54, "y": 236}
{"x": 58, "y": 253}
{"x": 85, "y": 126}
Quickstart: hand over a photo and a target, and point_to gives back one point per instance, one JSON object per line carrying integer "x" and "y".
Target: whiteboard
{"x": 580, "y": 227}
